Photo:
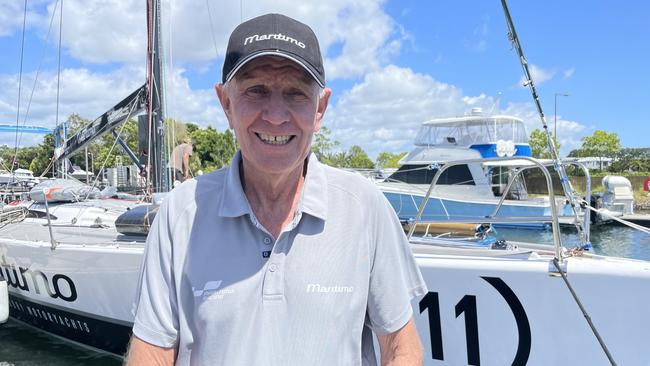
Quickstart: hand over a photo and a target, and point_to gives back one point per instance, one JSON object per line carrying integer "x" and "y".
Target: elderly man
{"x": 276, "y": 259}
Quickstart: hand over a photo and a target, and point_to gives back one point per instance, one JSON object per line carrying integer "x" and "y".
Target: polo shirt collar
{"x": 234, "y": 202}
{"x": 314, "y": 191}
{"x": 313, "y": 199}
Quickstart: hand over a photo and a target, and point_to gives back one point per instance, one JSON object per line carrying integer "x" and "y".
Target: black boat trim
{"x": 109, "y": 335}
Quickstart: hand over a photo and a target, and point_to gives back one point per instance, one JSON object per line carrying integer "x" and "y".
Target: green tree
{"x": 388, "y": 159}
{"x": 539, "y": 144}
{"x": 191, "y": 127}
{"x": 631, "y": 160}
{"x": 44, "y": 154}
{"x": 213, "y": 149}
{"x": 323, "y": 145}
{"x": 358, "y": 159}
{"x": 601, "y": 143}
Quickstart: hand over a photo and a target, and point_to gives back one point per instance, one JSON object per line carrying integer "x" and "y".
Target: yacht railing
{"x": 555, "y": 224}
{"x": 586, "y": 220}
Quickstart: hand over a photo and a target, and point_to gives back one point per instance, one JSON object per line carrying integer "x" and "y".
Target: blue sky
{"x": 391, "y": 64}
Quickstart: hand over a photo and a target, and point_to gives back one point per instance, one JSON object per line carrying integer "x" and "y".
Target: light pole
{"x": 555, "y": 113}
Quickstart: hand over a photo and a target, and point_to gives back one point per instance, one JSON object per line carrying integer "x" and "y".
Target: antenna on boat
{"x": 495, "y": 104}
{"x": 557, "y": 163}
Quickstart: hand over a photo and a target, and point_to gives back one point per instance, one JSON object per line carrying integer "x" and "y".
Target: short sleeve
{"x": 156, "y": 318}
{"x": 394, "y": 276}
{"x": 189, "y": 149}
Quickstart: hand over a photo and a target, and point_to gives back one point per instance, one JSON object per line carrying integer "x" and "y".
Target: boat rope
{"x": 38, "y": 71}
{"x": 584, "y": 313}
{"x": 617, "y": 219}
{"x": 20, "y": 83}
{"x": 48, "y": 167}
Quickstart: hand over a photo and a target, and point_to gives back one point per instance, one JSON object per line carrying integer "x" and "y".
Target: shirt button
{"x": 267, "y": 240}
{"x": 273, "y": 267}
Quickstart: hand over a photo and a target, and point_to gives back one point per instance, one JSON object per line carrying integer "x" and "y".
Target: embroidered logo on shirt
{"x": 336, "y": 289}
{"x": 211, "y": 290}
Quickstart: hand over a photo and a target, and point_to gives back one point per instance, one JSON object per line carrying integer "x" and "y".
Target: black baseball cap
{"x": 274, "y": 35}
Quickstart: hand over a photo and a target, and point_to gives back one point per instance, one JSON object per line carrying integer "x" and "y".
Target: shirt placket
{"x": 274, "y": 255}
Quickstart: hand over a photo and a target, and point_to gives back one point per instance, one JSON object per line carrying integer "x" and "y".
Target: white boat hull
{"x": 499, "y": 311}
{"x": 84, "y": 294}
{"x": 514, "y": 311}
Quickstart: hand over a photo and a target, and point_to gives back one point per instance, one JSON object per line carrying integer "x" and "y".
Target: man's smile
{"x": 274, "y": 140}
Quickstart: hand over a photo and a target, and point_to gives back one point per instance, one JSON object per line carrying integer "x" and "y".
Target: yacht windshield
{"x": 467, "y": 131}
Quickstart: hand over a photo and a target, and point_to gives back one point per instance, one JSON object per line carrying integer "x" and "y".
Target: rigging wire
{"x": 170, "y": 135}
{"x": 584, "y": 312}
{"x": 214, "y": 40}
{"x": 58, "y": 74}
{"x": 559, "y": 167}
{"x": 20, "y": 82}
{"x": 557, "y": 162}
{"x": 38, "y": 71}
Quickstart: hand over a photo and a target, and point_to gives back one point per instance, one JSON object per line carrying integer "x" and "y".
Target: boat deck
{"x": 37, "y": 232}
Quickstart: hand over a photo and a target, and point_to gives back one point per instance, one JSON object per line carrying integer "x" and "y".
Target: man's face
{"x": 274, "y": 108}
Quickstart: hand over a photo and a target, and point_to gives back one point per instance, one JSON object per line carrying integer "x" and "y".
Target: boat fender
{"x": 4, "y": 301}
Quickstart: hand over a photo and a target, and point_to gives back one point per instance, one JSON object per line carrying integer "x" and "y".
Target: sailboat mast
{"x": 157, "y": 161}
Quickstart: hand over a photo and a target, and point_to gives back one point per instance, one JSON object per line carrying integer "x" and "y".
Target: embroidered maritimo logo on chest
{"x": 336, "y": 289}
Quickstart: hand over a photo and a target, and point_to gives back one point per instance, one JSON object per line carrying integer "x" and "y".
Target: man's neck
{"x": 273, "y": 197}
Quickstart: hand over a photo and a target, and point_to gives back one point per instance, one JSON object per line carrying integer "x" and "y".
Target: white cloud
{"x": 538, "y": 74}
{"x": 82, "y": 91}
{"x": 568, "y": 73}
{"x": 199, "y": 106}
{"x": 99, "y": 31}
{"x": 11, "y": 16}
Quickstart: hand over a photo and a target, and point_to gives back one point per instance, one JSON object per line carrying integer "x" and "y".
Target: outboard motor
{"x": 618, "y": 195}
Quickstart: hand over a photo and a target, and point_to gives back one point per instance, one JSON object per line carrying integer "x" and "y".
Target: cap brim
{"x": 288, "y": 56}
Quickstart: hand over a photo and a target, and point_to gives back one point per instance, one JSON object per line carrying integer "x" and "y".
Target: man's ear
{"x": 225, "y": 100}
{"x": 323, "y": 101}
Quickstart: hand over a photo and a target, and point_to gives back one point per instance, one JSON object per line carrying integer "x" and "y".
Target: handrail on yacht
{"x": 587, "y": 214}
{"x": 555, "y": 223}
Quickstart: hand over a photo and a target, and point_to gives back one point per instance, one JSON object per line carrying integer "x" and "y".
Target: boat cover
{"x": 137, "y": 220}
{"x": 62, "y": 190}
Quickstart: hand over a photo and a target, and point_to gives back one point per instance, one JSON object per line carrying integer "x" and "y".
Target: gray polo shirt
{"x": 218, "y": 286}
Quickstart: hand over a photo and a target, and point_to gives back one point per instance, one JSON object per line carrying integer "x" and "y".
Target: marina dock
{"x": 639, "y": 219}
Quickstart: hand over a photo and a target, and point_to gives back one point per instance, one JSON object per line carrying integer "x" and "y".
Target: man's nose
{"x": 276, "y": 109}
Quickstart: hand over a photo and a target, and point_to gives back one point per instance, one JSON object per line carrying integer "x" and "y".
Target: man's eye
{"x": 256, "y": 91}
{"x": 297, "y": 94}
